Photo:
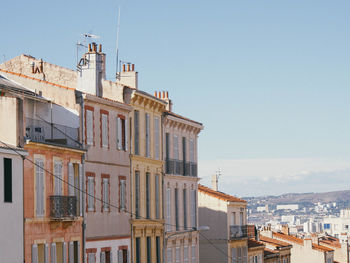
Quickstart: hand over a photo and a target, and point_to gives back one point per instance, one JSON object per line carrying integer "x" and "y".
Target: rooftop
{"x": 219, "y": 195}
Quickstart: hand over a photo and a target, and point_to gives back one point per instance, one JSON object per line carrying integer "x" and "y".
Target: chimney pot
{"x": 167, "y": 95}
{"x": 128, "y": 67}
{"x": 132, "y": 67}
{"x": 100, "y": 48}
{"x": 94, "y": 46}
{"x": 155, "y": 94}
{"x": 90, "y": 49}
{"x": 123, "y": 67}
{"x": 159, "y": 94}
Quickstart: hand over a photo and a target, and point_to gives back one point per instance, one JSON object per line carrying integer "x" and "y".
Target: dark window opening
{"x": 7, "y": 180}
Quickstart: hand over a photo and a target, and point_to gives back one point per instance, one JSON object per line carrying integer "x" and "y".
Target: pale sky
{"x": 268, "y": 79}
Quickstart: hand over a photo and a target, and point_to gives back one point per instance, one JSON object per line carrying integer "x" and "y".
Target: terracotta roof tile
{"x": 254, "y": 243}
{"x": 219, "y": 195}
{"x": 274, "y": 242}
{"x": 321, "y": 248}
{"x": 289, "y": 238}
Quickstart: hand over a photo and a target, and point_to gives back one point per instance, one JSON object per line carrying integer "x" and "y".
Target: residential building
{"x": 255, "y": 251}
{"x": 180, "y": 185}
{"x": 340, "y": 247}
{"x": 276, "y": 250}
{"x": 226, "y": 216}
{"x": 336, "y": 226}
{"x": 303, "y": 250}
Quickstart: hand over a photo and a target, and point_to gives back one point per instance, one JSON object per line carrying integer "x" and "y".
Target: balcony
{"x": 45, "y": 132}
{"x": 178, "y": 167}
{"x": 238, "y": 232}
{"x": 63, "y": 207}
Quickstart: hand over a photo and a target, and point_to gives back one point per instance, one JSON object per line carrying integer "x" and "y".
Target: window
{"x": 39, "y": 187}
{"x": 185, "y": 172}
{"x": 239, "y": 254}
{"x": 147, "y": 134}
{"x": 156, "y": 191}
{"x": 40, "y": 253}
{"x": 241, "y": 219}
{"x": 169, "y": 255}
{"x": 176, "y": 148}
{"x": 105, "y": 192}
{"x": 148, "y": 196}
{"x": 122, "y": 193}
{"x": 89, "y": 125}
{"x": 73, "y": 252}
{"x": 105, "y": 255}
{"x": 158, "y": 260}
{"x": 149, "y": 246}
{"x": 194, "y": 254}
{"x": 104, "y": 129}
{"x": 91, "y": 257}
{"x": 138, "y": 250}
{"x": 177, "y": 254}
{"x": 168, "y": 209}
{"x": 60, "y": 252}
{"x": 244, "y": 254}
{"x": 75, "y": 180}
{"x": 137, "y": 132}
{"x": 122, "y": 133}
{"x": 156, "y": 138}
{"x": 137, "y": 194}
{"x": 7, "y": 180}
{"x": 194, "y": 208}
{"x": 167, "y": 146}
{"x": 185, "y": 254}
{"x": 177, "y": 209}
{"x": 192, "y": 159}
{"x": 58, "y": 177}
{"x": 234, "y": 255}
{"x": 122, "y": 254}
{"x": 185, "y": 208}
{"x": 91, "y": 192}
{"x": 233, "y": 218}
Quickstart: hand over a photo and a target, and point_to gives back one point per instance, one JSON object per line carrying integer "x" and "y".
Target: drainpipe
{"x": 131, "y": 195}
{"x": 163, "y": 173}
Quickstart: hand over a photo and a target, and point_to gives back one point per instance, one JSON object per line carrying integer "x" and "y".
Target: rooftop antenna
{"x": 86, "y": 36}
{"x": 117, "y": 45}
{"x": 79, "y": 44}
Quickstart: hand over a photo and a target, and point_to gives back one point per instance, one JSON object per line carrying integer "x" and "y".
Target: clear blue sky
{"x": 269, "y": 79}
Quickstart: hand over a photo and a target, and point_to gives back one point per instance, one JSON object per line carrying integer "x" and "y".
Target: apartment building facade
{"x": 226, "y": 217}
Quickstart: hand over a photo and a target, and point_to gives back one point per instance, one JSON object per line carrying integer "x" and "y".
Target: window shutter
{"x": 234, "y": 255}
{"x": 81, "y": 186}
{"x": 193, "y": 208}
{"x": 102, "y": 257}
{"x": 78, "y": 252}
{"x": 70, "y": 179}
{"x": 168, "y": 209}
{"x": 34, "y": 253}
{"x": 185, "y": 254}
{"x": 192, "y": 150}
{"x": 120, "y": 256}
{"x": 53, "y": 252}
{"x": 64, "y": 252}
{"x": 156, "y": 138}
{"x": 40, "y": 190}
{"x": 55, "y": 172}
{"x": 89, "y": 127}
{"x": 169, "y": 255}
{"x": 126, "y": 127}
{"x": 147, "y": 135}
{"x": 122, "y": 194}
{"x": 46, "y": 253}
{"x": 104, "y": 129}
{"x": 137, "y": 132}
{"x": 70, "y": 252}
{"x": 119, "y": 132}
{"x": 156, "y": 177}
{"x": 245, "y": 254}
{"x": 194, "y": 254}
{"x": 176, "y": 148}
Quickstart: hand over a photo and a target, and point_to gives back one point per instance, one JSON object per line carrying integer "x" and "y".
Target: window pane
{"x": 7, "y": 180}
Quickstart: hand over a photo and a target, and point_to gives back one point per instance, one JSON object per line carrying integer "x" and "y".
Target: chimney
{"x": 128, "y": 76}
{"x": 308, "y": 243}
{"x": 93, "y": 72}
{"x": 214, "y": 182}
{"x": 285, "y": 230}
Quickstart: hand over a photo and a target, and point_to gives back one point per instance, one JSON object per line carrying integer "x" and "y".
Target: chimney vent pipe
{"x": 100, "y": 48}
{"x": 90, "y": 49}
{"x": 132, "y": 67}
{"x": 128, "y": 67}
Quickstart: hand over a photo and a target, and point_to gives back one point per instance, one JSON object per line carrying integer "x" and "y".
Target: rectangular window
{"x": 233, "y": 218}
{"x": 91, "y": 193}
{"x": 185, "y": 208}
{"x": 184, "y": 153}
{"x": 39, "y": 187}
{"x": 194, "y": 208}
{"x": 244, "y": 254}
{"x": 194, "y": 254}
{"x": 138, "y": 250}
{"x": 148, "y": 138}
{"x": 91, "y": 258}
{"x": 148, "y": 196}
{"x": 169, "y": 255}
{"x": 121, "y": 133}
{"x": 104, "y": 130}
{"x": 122, "y": 194}
{"x": 149, "y": 247}
{"x": 137, "y": 132}
{"x": 58, "y": 177}
{"x": 168, "y": 209}
{"x": 156, "y": 138}
{"x": 176, "y": 147}
{"x": 185, "y": 254}
{"x": 239, "y": 254}
{"x": 158, "y": 260}
{"x": 105, "y": 194}
{"x": 137, "y": 194}
{"x": 167, "y": 146}
{"x": 89, "y": 119}
{"x": 156, "y": 191}
{"x": 7, "y": 180}
{"x": 241, "y": 219}
{"x": 234, "y": 255}
{"x": 177, "y": 254}
{"x": 177, "y": 209}
{"x": 192, "y": 159}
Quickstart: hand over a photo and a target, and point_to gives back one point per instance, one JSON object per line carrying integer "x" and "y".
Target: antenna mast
{"x": 117, "y": 45}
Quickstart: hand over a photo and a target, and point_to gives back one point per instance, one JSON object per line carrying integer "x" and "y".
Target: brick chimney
{"x": 92, "y": 70}
{"x": 128, "y": 76}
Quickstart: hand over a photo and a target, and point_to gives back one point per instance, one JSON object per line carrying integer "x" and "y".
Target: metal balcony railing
{"x": 42, "y": 131}
{"x": 178, "y": 167}
{"x": 238, "y": 232}
{"x": 63, "y": 207}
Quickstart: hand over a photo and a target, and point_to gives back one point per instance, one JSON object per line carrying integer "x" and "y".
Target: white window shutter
{"x": 89, "y": 127}
{"x": 34, "y": 253}
{"x": 70, "y": 252}
{"x": 53, "y": 252}
{"x": 104, "y": 130}
{"x": 78, "y": 252}
{"x": 64, "y": 252}
{"x": 156, "y": 138}
{"x": 55, "y": 172}
{"x": 102, "y": 257}
{"x": 70, "y": 179}
{"x": 40, "y": 188}
{"x": 169, "y": 255}
{"x": 46, "y": 253}
{"x": 168, "y": 208}
{"x": 127, "y": 256}
{"x": 119, "y": 131}
{"x": 176, "y": 147}
{"x": 110, "y": 257}
{"x": 126, "y": 134}
{"x": 81, "y": 186}
{"x": 120, "y": 256}
{"x": 147, "y": 135}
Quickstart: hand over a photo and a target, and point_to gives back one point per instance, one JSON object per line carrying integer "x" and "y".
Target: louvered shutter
{"x": 147, "y": 135}
{"x": 260, "y": 259}
{"x": 245, "y": 254}
{"x": 70, "y": 179}
{"x": 110, "y": 257}
{"x": 46, "y": 253}
{"x": 34, "y": 253}
{"x": 64, "y": 252}
{"x": 70, "y": 252}
{"x": 120, "y": 256}
{"x": 156, "y": 177}
{"x": 137, "y": 133}
{"x": 126, "y": 126}
{"x": 156, "y": 138}
{"x": 234, "y": 255}
{"x": 104, "y": 128}
{"x": 119, "y": 132}
{"x": 191, "y": 150}
{"x": 185, "y": 254}
{"x": 40, "y": 190}
{"x": 193, "y": 208}
{"x": 81, "y": 186}
{"x": 89, "y": 127}
{"x": 78, "y": 252}
{"x": 194, "y": 254}
{"x": 169, "y": 255}
{"x": 102, "y": 257}
{"x": 168, "y": 208}
{"x": 127, "y": 256}
{"x": 55, "y": 171}
{"x": 122, "y": 194}
{"x": 176, "y": 148}
{"x": 53, "y": 252}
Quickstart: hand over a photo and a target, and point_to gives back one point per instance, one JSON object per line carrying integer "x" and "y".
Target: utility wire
{"x": 99, "y": 199}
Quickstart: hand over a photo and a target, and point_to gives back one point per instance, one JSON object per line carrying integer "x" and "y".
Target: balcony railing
{"x": 238, "y": 232}
{"x": 63, "y": 207}
{"x": 42, "y": 131}
{"x": 178, "y": 167}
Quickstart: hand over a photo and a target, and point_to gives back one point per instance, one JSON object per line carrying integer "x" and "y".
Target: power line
{"x": 211, "y": 243}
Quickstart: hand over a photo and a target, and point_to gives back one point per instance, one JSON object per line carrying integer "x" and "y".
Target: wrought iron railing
{"x": 41, "y": 131}
{"x": 238, "y": 232}
{"x": 63, "y": 207}
{"x": 178, "y": 167}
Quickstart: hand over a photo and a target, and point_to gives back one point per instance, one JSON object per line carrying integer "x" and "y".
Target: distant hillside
{"x": 337, "y": 196}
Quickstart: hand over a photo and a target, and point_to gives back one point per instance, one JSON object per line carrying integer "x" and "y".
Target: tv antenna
{"x": 79, "y": 44}
{"x": 89, "y": 36}
{"x": 117, "y": 45}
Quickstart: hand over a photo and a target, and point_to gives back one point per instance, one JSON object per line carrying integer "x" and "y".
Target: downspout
{"x": 163, "y": 173}
{"x": 131, "y": 195}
